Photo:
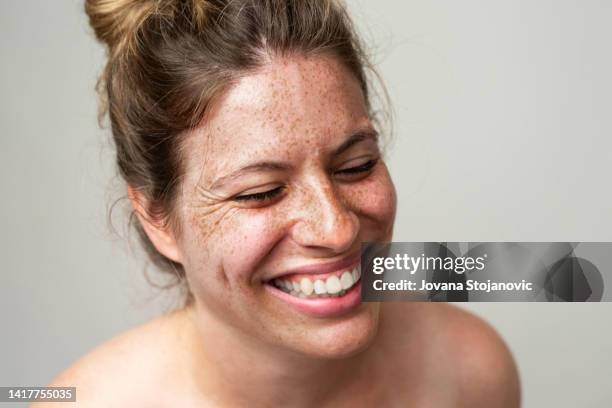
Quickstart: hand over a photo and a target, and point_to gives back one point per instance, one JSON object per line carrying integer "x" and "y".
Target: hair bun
{"x": 116, "y": 22}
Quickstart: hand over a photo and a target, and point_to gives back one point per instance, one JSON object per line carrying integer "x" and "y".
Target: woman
{"x": 246, "y": 138}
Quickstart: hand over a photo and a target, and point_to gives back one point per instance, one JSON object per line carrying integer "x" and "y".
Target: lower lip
{"x": 322, "y": 307}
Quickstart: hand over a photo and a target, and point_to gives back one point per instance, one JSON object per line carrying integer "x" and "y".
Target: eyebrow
{"x": 256, "y": 167}
{"x": 353, "y": 139}
{"x": 358, "y": 136}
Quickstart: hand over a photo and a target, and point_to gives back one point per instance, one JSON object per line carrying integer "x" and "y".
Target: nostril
{"x": 325, "y": 220}
{"x": 338, "y": 235}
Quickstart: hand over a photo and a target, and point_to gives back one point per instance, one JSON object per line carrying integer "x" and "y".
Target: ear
{"x": 160, "y": 235}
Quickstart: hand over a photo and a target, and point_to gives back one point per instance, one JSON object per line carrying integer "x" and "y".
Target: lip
{"x": 321, "y": 307}
{"x": 348, "y": 262}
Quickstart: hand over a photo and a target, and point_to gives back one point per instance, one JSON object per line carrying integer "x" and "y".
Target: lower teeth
{"x": 301, "y": 295}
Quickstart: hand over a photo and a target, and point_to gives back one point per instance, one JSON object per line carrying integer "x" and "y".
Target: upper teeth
{"x": 332, "y": 286}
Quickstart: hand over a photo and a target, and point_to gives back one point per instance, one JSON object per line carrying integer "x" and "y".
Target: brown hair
{"x": 167, "y": 59}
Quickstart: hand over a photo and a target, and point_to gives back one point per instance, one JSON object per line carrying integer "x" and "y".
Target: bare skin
{"x": 425, "y": 355}
{"x": 323, "y": 188}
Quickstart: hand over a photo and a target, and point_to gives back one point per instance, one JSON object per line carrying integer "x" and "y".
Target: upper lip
{"x": 321, "y": 268}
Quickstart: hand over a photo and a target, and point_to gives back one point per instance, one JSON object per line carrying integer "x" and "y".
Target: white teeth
{"x": 319, "y": 287}
{"x": 354, "y": 273}
{"x": 333, "y": 285}
{"x": 346, "y": 280}
{"x": 306, "y": 286}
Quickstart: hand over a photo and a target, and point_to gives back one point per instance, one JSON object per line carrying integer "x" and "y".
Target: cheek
{"x": 374, "y": 198}
{"x": 253, "y": 234}
{"x": 233, "y": 246}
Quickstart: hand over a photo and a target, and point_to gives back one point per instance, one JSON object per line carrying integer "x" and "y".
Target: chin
{"x": 341, "y": 337}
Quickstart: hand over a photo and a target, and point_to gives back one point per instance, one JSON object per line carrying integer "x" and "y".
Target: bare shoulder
{"x": 125, "y": 368}
{"x": 461, "y": 350}
{"x": 486, "y": 372}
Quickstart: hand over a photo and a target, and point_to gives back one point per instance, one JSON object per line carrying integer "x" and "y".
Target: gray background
{"x": 502, "y": 134}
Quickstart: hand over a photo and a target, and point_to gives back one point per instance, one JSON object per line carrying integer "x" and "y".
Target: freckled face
{"x": 285, "y": 173}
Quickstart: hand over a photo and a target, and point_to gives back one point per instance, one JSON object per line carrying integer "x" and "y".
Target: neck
{"x": 236, "y": 369}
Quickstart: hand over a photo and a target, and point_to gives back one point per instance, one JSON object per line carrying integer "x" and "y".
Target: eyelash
{"x": 270, "y": 194}
{"x": 263, "y": 196}
{"x": 367, "y": 166}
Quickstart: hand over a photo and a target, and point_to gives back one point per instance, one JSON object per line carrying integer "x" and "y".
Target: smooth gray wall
{"x": 502, "y": 133}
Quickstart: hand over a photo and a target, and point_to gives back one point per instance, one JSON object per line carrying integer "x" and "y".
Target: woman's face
{"x": 284, "y": 181}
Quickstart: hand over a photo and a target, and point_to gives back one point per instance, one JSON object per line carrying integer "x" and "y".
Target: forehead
{"x": 291, "y": 106}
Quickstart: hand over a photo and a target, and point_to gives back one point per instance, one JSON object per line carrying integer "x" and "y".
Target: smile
{"x": 320, "y": 290}
{"x": 334, "y": 285}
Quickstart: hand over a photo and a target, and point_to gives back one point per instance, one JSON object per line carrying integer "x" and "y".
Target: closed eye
{"x": 273, "y": 193}
{"x": 262, "y": 196}
{"x": 363, "y": 168}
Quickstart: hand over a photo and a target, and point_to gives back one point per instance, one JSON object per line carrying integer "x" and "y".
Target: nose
{"x": 324, "y": 221}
